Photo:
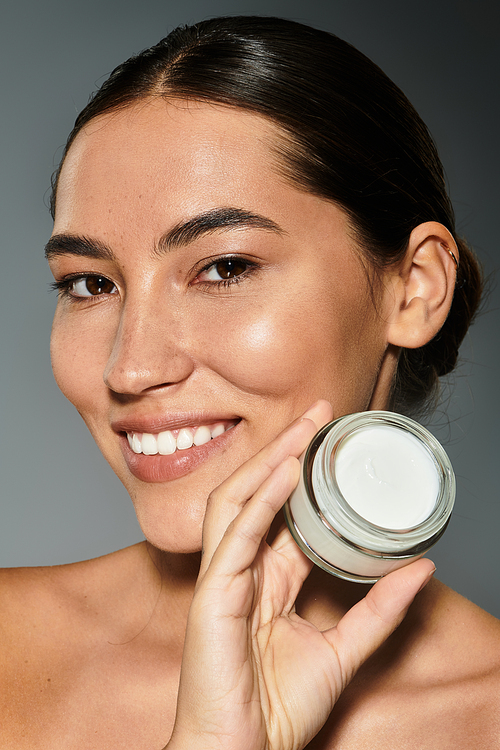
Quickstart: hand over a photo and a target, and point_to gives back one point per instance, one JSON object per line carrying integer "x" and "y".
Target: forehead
{"x": 185, "y": 145}
{"x": 132, "y": 174}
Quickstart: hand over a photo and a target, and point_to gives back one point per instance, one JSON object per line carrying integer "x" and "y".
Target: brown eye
{"x": 99, "y": 285}
{"x": 92, "y": 286}
{"x": 227, "y": 268}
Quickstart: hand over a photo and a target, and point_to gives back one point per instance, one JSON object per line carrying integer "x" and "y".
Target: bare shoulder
{"x": 459, "y": 640}
{"x": 81, "y": 655}
{"x": 44, "y": 591}
{"x": 46, "y": 609}
{"x": 434, "y": 684}
{"x": 452, "y": 674}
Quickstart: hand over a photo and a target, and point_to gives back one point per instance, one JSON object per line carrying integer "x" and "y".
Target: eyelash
{"x": 251, "y": 267}
{"x": 64, "y": 286}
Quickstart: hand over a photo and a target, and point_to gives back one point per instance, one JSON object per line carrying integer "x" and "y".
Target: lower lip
{"x": 156, "y": 469}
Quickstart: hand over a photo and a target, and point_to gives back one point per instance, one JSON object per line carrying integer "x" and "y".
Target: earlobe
{"x": 422, "y": 287}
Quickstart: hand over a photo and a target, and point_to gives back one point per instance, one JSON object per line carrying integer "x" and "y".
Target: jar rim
{"x": 355, "y": 530}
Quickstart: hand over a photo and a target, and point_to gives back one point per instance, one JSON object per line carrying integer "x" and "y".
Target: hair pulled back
{"x": 351, "y": 136}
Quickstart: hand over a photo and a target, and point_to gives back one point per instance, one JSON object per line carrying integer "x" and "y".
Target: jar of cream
{"x": 376, "y": 491}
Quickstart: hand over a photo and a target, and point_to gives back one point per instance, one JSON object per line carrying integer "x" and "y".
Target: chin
{"x": 175, "y": 528}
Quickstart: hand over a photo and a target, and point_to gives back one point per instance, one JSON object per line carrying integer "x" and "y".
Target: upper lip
{"x": 172, "y": 421}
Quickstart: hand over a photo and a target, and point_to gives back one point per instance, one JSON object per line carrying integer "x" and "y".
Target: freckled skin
{"x": 106, "y": 638}
{"x": 300, "y": 327}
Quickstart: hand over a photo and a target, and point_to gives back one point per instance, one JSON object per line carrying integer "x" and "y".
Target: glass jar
{"x": 376, "y": 491}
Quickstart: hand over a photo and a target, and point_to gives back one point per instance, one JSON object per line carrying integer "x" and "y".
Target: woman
{"x": 251, "y": 237}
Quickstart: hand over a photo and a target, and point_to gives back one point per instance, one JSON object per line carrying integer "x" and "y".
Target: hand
{"x": 256, "y": 676}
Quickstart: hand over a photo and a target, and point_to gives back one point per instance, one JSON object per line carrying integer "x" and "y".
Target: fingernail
{"x": 310, "y": 409}
{"x": 427, "y": 579}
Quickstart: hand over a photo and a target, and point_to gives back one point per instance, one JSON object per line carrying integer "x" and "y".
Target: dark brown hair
{"x": 352, "y": 137}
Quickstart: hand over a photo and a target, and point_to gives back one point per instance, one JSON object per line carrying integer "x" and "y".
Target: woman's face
{"x": 199, "y": 290}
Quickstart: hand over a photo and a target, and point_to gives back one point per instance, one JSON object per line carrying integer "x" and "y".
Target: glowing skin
{"x": 158, "y": 345}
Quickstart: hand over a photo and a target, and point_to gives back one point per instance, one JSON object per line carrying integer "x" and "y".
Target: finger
{"x": 372, "y": 620}
{"x": 320, "y": 413}
{"x": 285, "y": 546}
{"x": 227, "y": 500}
{"x": 242, "y": 540}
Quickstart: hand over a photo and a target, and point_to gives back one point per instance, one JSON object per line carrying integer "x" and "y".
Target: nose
{"x": 147, "y": 352}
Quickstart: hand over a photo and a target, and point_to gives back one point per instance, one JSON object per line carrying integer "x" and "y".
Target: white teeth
{"x": 184, "y": 439}
{"x": 166, "y": 443}
{"x": 136, "y": 444}
{"x": 149, "y": 444}
{"x": 202, "y": 435}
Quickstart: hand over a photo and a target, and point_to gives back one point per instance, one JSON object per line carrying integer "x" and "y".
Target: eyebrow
{"x": 211, "y": 221}
{"x": 75, "y": 244}
{"x": 181, "y": 235}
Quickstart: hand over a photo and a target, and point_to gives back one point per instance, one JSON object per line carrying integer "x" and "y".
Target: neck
{"x": 176, "y": 569}
{"x": 323, "y": 600}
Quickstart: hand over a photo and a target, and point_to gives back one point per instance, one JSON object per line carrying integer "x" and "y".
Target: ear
{"x": 422, "y": 286}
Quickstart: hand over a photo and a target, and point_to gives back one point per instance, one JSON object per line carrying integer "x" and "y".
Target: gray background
{"x": 60, "y": 501}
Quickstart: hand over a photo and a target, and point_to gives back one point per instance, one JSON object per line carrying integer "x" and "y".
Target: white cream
{"x": 376, "y": 491}
{"x": 387, "y": 476}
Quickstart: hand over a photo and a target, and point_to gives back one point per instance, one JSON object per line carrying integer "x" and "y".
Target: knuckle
{"x": 374, "y": 608}
{"x": 212, "y": 498}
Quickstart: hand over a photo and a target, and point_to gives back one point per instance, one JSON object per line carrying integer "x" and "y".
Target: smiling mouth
{"x": 169, "y": 441}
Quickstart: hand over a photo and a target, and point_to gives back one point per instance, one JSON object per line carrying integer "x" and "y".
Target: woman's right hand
{"x": 255, "y": 675}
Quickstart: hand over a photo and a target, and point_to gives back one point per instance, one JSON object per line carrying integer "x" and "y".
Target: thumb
{"x": 372, "y": 620}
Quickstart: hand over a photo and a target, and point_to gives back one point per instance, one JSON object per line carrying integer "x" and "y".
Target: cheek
{"x": 76, "y": 362}
{"x": 294, "y": 350}
{"x": 273, "y": 352}
{"x": 261, "y": 354}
